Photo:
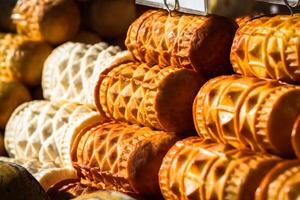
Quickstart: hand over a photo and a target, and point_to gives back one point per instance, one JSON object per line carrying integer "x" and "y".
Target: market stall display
{"x": 160, "y": 116}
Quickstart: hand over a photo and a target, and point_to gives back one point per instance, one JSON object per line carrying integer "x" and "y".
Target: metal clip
{"x": 290, "y": 7}
{"x": 176, "y": 7}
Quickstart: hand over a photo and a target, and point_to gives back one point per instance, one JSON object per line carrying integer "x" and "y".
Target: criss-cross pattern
{"x": 26, "y": 16}
{"x": 268, "y": 47}
{"x": 236, "y": 110}
{"x": 35, "y": 129}
{"x": 72, "y": 70}
{"x": 102, "y": 154}
{"x": 129, "y": 93}
{"x": 159, "y": 38}
{"x": 198, "y": 169}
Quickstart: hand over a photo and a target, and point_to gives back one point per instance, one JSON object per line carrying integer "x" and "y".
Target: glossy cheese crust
{"x": 193, "y": 42}
{"x": 268, "y": 47}
{"x": 157, "y": 97}
{"x": 248, "y": 113}
{"x": 122, "y": 157}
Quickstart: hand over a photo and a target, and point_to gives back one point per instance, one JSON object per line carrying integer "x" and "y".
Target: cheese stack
{"x": 150, "y": 93}
{"x": 195, "y": 168}
{"x": 236, "y": 114}
{"x": 40, "y": 134}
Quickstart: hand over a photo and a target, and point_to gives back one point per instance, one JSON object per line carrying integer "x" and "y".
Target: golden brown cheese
{"x": 156, "y": 97}
{"x": 248, "y": 113}
{"x": 122, "y": 157}
{"x": 197, "y": 169}
{"x": 193, "y": 42}
{"x": 268, "y": 47}
{"x": 282, "y": 182}
{"x": 54, "y": 21}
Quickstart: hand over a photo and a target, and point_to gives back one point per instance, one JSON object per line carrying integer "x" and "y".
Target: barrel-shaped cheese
{"x": 201, "y": 43}
{"x": 153, "y": 96}
{"x": 12, "y": 94}
{"x": 248, "y": 113}
{"x": 72, "y": 70}
{"x": 197, "y": 169}
{"x": 268, "y": 47}
{"x": 22, "y": 58}
{"x": 122, "y": 157}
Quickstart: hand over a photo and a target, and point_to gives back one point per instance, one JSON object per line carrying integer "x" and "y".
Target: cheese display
{"x": 186, "y": 107}
{"x": 156, "y": 97}
{"x": 248, "y": 113}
